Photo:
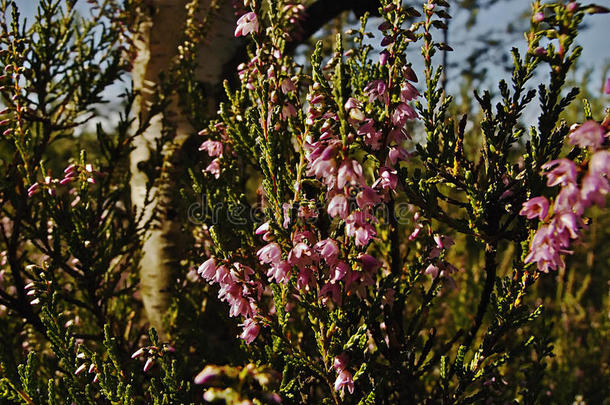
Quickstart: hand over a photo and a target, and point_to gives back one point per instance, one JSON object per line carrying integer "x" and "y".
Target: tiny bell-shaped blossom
{"x": 431, "y": 270}
{"x": 33, "y": 189}
{"x": 214, "y": 168}
{"x": 80, "y": 369}
{"x": 562, "y": 171}
{"x": 354, "y": 109}
{"x": 148, "y": 365}
{"x": 409, "y": 74}
{"x": 280, "y": 272}
{"x": 271, "y": 253}
{"x": 214, "y": 148}
{"x": 338, "y": 206}
{"x": 328, "y": 250}
{"x": 369, "y": 263}
{"x": 588, "y": 135}
{"x": 402, "y": 113}
{"x": 535, "y": 207}
{"x": 264, "y": 230}
{"x": 377, "y": 90}
{"x": 138, "y": 353}
{"x": 207, "y": 270}
{"x": 251, "y": 330}
{"x": 383, "y": 57}
{"x": 408, "y": 92}
{"x": 246, "y": 24}
{"x": 600, "y": 163}
{"x": 207, "y": 375}
{"x": 350, "y": 172}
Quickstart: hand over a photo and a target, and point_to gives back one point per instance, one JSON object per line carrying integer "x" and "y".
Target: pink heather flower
{"x": 367, "y": 197}
{"x": 80, "y": 369}
{"x": 221, "y": 275}
{"x": 350, "y": 172}
{"x": 246, "y": 24}
{"x": 339, "y": 271}
{"x": 372, "y": 137}
{"x": 408, "y": 92}
{"x": 288, "y": 110}
{"x": 396, "y": 154}
{"x": 402, "y": 113}
{"x": 324, "y": 166}
{"x": 594, "y": 190}
{"x": 239, "y": 305}
{"x": 279, "y": 272}
{"x": 600, "y": 163}
{"x": 539, "y": 51}
{"x": 431, "y": 270}
{"x": 271, "y": 253}
{"x": 563, "y": 171}
{"x": 535, "y": 207}
{"x": 328, "y": 250}
{"x": 304, "y": 278}
{"x": 383, "y": 57}
{"x": 566, "y": 221}
{"x": 544, "y": 250}
{"x": 409, "y": 74}
{"x": 356, "y": 226}
{"x": 344, "y": 379}
{"x": 301, "y": 255}
{"x": 354, "y": 109}
{"x": 369, "y": 263}
{"x": 286, "y": 208}
{"x": 589, "y": 135}
{"x": 287, "y": 86}
{"x": 207, "y": 375}
{"x": 250, "y": 331}
{"x": 214, "y": 168}
{"x": 568, "y": 200}
{"x": 148, "y": 365}
{"x": 538, "y": 17}
{"x": 264, "y": 230}
{"x": 307, "y": 212}
{"x": 416, "y": 231}
{"x": 214, "y": 148}
{"x": 388, "y": 178}
{"x": 207, "y": 270}
{"x": 33, "y": 189}
{"x": 377, "y": 91}
{"x": 338, "y": 206}
{"x": 138, "y": 353}
{"x": 333, "y": 290}
{"x": 607, "y": 87}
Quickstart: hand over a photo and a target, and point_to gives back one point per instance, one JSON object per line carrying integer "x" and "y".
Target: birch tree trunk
{"x": 161, "y": 30}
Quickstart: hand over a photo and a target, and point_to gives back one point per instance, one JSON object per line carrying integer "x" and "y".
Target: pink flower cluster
{"x": 299, "y": 255}
{"x": 329, "y": 158}
{"x": 72, "y": 173}
{"x": 315, "y": 263}
{"x": 565, "y": 221}
{"x": 238, "y": 290}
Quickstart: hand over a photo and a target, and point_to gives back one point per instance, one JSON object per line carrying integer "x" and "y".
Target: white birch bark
{"x": 160, "y": 34}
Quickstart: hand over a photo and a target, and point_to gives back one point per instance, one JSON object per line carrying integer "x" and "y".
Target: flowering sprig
{"x": 563, "y": 219}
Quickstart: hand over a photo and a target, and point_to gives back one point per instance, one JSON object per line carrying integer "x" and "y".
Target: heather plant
{"x": 354, "y": 239}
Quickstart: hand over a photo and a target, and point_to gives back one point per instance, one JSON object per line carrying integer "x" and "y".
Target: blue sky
{"x": 491, "y": 23}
